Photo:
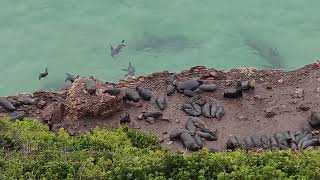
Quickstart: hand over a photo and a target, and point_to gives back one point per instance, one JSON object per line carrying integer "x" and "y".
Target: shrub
{"x": 28, "y": 150}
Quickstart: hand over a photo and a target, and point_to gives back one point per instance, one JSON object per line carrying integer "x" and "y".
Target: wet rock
{"x": 146, "y": 94}
{"x": 6, "y": 104}
{"x": 207, "y": 136}
{"x": 188, "y": 84}
{"x": 26, "y": 100}
{"x": 17, "y": 115}
{"x": 190, "y": 126}
{"x": 175, "y": 134}
{"x": 206, "y": 110}
{"x": 233, "y": 92}
{"x": 213, "y": 109}
{"x": 189, "y": 93}
{"x": 198, "y": 140}
{"x": 220, "y": 112}
{"x": 91, "y": 86}
{"x": 170, "y": 89}
{"x": 233, "y": 143}
{"x": 152, "y": 114}
{"x": 207, "y": 88}
{"x": 189, "y": 142}
{"x": 161, "y": 102}
{"x": 256, "y": 141}
{"x": 125, "y": 118}
{"x": 314, "y": 120}
{"x": 131, "y": 95}
{"x": 113, "y": 91}
{"x": 311, "y": 142}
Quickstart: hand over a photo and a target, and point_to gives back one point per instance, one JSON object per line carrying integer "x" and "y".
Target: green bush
{"x": 28, "y": 150}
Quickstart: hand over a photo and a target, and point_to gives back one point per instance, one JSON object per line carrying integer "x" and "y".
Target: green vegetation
{"x": 29, "y": 151}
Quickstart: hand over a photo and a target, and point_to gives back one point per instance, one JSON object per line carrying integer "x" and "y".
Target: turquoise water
{"x": 75, "y": 36}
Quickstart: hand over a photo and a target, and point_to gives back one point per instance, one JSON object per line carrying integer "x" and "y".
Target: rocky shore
{"x": 249, "y": 107}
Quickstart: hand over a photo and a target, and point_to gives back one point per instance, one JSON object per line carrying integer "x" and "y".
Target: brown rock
{"x": 280, "y": 81}
{"x": 299, "y": 93}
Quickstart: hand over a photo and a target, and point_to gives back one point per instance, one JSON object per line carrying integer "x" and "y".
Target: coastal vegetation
{"x": 28, "y": 150}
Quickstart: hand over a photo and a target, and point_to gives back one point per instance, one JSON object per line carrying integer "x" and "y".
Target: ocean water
{"x": 75, "y": 36}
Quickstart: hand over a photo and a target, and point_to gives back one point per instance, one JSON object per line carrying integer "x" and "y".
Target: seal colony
{"x": 242, "y": 108}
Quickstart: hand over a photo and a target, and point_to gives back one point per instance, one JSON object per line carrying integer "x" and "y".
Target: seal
{"x": 91, "y": 85}
{"x": 232, "y": 143}
{"x": 152, "y": 114}
{"x": 265, "y": 141}
{"x": 196, "y": 107}
{"x": 256, "y": 141}
{"x": 113, "y": 91}
{"x": 131, "y": 71}
{"x": 213, "y": 110}
{"x": 161, "y": 102}
{"x": 175, "y": 134}
{"x": 115, "y": 51}
{"x": 198, "y": 122}
{"x": 311, "y": 142}
{"x": 302, "y": 140}
{"x": 248, "y": 143}
{"x": 233, "y": 92}
{"x": 190, "y": 126}
{"x": 314, "y": 120}
{"x": 281, "y": 139}
{"x": 43, "y": 74}
{"x": 273, "y": 143}
{"x": 206, "y": 88}
{"x": 206, "y": 110}
{"x": 26, "y": 100}
{"x": 71, "y": 78}
{"x": 198, "y": 140}
{"x": 6, "y": 104}
{"x": 171, "y": 89}
{"x": 125, "y": 118}
{"x": 189, "y": 93}
{"x": 189, "y": 142}
{"x": 130, "y": 95}
{"x": 220, "y": 112}
{"x": 207, "y": 136}
{"x": 146, "y": 94}
{"x": 191, "y": 84}
{"x": 17, "y": 115}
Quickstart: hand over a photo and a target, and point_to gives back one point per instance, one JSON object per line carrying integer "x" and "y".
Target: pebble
{"x": 270, "y": 112}
{"x": 299, "y": 92}
{"x": 280, "y": 81}
{"x": 318, "y": 89}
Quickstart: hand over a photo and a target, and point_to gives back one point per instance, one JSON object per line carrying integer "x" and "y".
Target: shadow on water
{"x": 270, "y": 54}
{"x": 156, "y": 43}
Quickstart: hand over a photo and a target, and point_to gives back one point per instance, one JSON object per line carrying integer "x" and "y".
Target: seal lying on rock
{"x": 189, "y": 142}
{"x": 113, "y": 91}
{"x": 191, "y": 110}
{"x": 256, "y": 141}
{"x": 198, "y": 140}
{"x": 6, "y": 104}
{"x": 17, "y": 115}
{"x": 144, "y": 93}
{"x": 190, "y": 126}
{"x": 233, "y": 143}
{"x": 152, "y": 114}
{"x": 170, "y": 89}
{"x": 207, "y": 136}
{"x": 26, "y": 100}
{"x": 130, "y": 95}
{"x": 43, "y": 74}
{"x": 220, "y": 112}
{"x": 189, "y": 85}
{"x": 189, "y": 93}
{"x": 206, "y": 110}
{"x": 311, "y": 142}
{"x": 161, "y": 102}
{"x": 314, "y": 120}
{"x": 206, "y": 88}
{"x": 234, "y": 92}
{"x": 198, "y": 122}
{"x": 91, "y": 86}
{"x": 115, "y": 51}
{"x": 175, "y": 134}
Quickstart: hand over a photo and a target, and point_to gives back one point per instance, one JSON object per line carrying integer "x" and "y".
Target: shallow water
{"x": 75, "y": 37}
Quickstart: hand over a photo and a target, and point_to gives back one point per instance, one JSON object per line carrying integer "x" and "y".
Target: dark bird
{"x": 115, "y": 51}
{"x": 43, "y": 74}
